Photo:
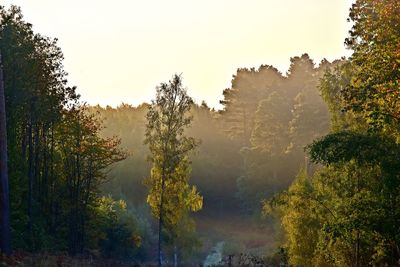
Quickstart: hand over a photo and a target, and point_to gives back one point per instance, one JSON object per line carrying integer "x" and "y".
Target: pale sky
{"x": 118, "y": 51}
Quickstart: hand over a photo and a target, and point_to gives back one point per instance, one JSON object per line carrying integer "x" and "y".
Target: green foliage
{"x": 371, "y": 164}
{"x": 57, "y": 159}
{"x": 225, "y": 172}
{"x": 332, "y": 85}
{"x": 60, "y": 156}
{"x": 120, "y": 237}
{"x": 170, "y": 195}
{"x": 349, "y": 209}
{"x": 336, "y": 217}
{"x": 166, "y": 121}
{"x": 215, "y": 165}
{"x": 375, "y": 38}
{"x": 364, "y": 148}
{"x": 297, "y": 208}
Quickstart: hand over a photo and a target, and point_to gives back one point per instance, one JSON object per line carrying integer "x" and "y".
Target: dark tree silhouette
{"x": 5, "y": 235}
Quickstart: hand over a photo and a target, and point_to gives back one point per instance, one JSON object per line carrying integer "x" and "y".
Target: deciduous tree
{"x": 170, "y": 195}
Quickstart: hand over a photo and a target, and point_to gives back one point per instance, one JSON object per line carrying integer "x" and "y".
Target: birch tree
{"x": 170, "y": 195}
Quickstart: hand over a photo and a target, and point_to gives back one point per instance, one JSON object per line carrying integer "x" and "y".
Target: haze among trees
{"x": 296, "y": 169}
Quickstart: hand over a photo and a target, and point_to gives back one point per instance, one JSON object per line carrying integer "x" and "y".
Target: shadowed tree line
{"x": 56, "y": 157}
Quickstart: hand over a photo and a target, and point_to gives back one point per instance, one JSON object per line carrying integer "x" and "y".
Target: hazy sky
{"x": 118, "y": 51}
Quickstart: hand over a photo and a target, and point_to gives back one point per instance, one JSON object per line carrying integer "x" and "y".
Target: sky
{"x": 119, "y": 51}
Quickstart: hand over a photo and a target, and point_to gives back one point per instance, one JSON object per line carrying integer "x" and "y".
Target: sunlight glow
{"x": 118, "y": 51}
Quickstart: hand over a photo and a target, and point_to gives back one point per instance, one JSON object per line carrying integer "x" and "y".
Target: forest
{"x": 296, "y": 169}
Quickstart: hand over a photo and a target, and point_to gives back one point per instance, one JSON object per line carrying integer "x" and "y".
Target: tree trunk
{"x": 52, "y": 204}
{"x": 357, "y": 263}
{"x": 160, "y": 222}
{"x": 36, "y": 164}
{"x": 5, "y": 232}
{"x": 175, "y": 256}
{"x": 30, "y": 183}
{"x": 306, "y": 163}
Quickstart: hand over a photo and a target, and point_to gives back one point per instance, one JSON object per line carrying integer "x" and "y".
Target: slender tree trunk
{"x": 23, "y": 141}
{"x": 30, "y": 182}
{"x": 78, "y": 210}
{"x": 160, "y": 220}
{"x": 306, "y": 164}
{"x": 230, "y": 260}
{"x": 5, "y": 232}
{"x": 45, "y": 173}
{"x": 358, "y": 249}
{"x": 52, "y": 205}
{"x": 175, "y": 256}
{"x": 357, "y": 263}
{"x": 37, "y": 178}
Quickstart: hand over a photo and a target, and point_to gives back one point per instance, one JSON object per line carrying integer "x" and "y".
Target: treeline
{"x": 57, "y": 159}
{"x": 348, "y": 212}
{"x": 341, "y": 210}
{"x": 249, "y": 151}
{"x": 60, "y": 154}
